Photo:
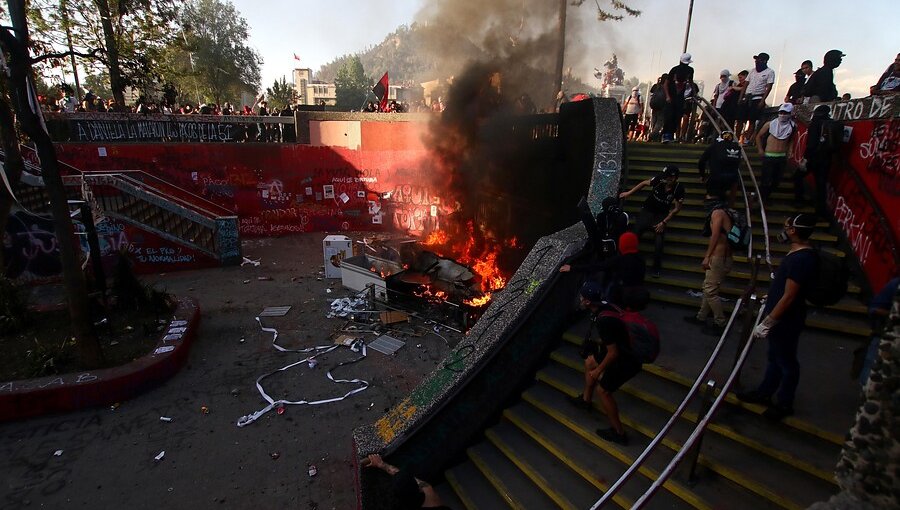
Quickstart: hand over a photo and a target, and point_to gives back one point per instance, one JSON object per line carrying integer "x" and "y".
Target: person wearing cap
{"x": 680, "y": 80}
{"x": 795, "y": 91}
{"x": 723, "y": 157}
{"x": 785, "y": 318}
{"x": 622, "y": 273}
{"x": 407, "y": 492}
{"x": 774, "y": 142}
{"x": 608, "y": 360}
{"x": 820, "y": 86}
{"x": 889, "y": 82}
{"x": 664, "y": 202}
{"x": 724, "y": 100}
{"x": 633, "y": 108}
{"x": 759, "y": 85}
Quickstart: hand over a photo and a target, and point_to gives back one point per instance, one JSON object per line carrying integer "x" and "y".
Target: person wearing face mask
{"x": 785, "y": 317}
{"x": 633, "y": 107}
{"x": 774, "y": 142}
{"x": 662, "y": 204}
{"x": 795, "y": 91}
{"x": 759, "y": 85}
{"x": 820, "y": 86}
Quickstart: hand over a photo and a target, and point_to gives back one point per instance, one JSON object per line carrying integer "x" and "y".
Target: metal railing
{"x": 717, "y": 121}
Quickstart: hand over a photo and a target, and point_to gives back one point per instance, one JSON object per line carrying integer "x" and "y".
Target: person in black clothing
{"x": 820, "y": 86}
{"x": 724, "y": 159}
{"x": 818, "y": 158}
{"x": 679, "y": 80}
{"x": 665, "y": 200}
{"x": 795, "y": 91}
{"x": 623, "y": 274}
{"x": 785, "y": 311}
{"x": 607, "y": 360}
{"x": 603, "y": 230}
{"x": 408, "y": 492}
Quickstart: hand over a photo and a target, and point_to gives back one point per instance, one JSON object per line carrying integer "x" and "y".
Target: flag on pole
{"x": 296, "y": 57}
{"x": 381, "y": 91}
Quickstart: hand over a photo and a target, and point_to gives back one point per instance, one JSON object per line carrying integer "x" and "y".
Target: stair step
{"x": 473, "y": 489}
{"x": 449, "y": 498}
{"x": 563, "y": 485}
{"x": 514, "y": 487}
{"x": 733, "y": 462}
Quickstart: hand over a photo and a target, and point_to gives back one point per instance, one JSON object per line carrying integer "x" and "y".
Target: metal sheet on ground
{"x": 386, "y": 344}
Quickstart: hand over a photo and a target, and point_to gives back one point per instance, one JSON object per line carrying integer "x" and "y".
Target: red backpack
{"x": 643, "y": 335}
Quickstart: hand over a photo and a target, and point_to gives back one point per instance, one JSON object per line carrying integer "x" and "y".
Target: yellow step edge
{"x": 460, "y": 491}
{"x": 721, "y": 469}
{"x": 795, "y": 423}
{"x": 498, "y": 484}
{"x": 529, "y": 471}
{"x": 674, "y": 487}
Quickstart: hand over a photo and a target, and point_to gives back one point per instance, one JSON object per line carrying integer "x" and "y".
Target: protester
{"x": 665, "y": 200}
{"x": 879, "y": 309}
{"x": 740, "y": 113}
{"x": 622, "y": 273}
{"x": 633, "y": 107}
{"x": 759, "y": 85}
{"x": 795, "y": 91}
{"x": 820, "y": 86}
{"x": 680, "y": 80}
{"x": 408, "y": 492}
{"x": 889, "y": 82}
{"x": 817, "y": 156}
{"x": 605, "y": 229}
{"x": 717, "y": 262}
{"x": 657, "y": 107}
{"x": 724, "y": 98}
{"x": 807, "y": 68}
{"x": 608, "y": 360}
{"x": 723, "y": 157}
{"x": 774, "y": 142}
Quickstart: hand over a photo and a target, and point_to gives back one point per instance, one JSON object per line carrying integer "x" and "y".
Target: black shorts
{"x": 617, "y": 373}
{"x": 720, "y": 183}
{"x": 754, "y": 112}
{"x": 631, "y": 120}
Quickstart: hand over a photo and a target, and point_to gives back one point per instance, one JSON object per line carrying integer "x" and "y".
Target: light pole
{"x": 687, "y": 31}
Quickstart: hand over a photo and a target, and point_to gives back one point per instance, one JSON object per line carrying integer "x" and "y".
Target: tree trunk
{"x": 12, "y": 163}
{"x": 116, "y": 82}
{"x": 73, "y": 278}
{"x": 560, "y": 49}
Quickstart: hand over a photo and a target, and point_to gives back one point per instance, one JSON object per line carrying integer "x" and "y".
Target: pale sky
{"x": 724, "y": 35}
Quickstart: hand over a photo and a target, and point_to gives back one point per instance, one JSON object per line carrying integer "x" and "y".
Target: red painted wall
{"x": 277, "y": 189}
{"x": 872, "y": 153}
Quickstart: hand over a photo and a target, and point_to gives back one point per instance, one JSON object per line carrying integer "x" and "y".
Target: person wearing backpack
{"x": 723, "y": 157}
{"x": 717, "y": 263}
{"x": 657, "y": 107}
{"x": 820, "y": 147}
{"x": 785, "y": 317}
{"x": 609, "y": 360}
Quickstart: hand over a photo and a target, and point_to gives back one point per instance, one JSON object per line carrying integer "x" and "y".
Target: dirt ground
{"x": 107, "y": 458}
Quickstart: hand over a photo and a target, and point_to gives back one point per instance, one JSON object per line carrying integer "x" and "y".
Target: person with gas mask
{"x": 785, "y": 318}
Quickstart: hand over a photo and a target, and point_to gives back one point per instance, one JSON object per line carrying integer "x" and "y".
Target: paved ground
{"x": 108, "y": 455}
{"x": 107, "y": 458}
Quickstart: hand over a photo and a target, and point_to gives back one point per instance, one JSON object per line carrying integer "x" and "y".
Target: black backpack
{"x": 830, "y": 283}
{"x": 658, "y": 99}
{"x": 832, "y": 136}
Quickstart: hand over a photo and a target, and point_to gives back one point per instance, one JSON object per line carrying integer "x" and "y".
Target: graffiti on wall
{"x": 860, "y": 223}
{"x": 30, "y": 250}
{"x": 882, "y": 154}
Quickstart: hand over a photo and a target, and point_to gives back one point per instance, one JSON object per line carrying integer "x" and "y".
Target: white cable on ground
{"x": 318, "y": 350}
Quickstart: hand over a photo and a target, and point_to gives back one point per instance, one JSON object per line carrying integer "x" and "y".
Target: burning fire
{"x": 483, "y": 262}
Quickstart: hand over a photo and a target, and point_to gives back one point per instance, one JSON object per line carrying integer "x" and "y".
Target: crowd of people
{"x": 670, "y": 113}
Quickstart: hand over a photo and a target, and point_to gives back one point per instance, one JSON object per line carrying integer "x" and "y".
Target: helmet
{"x": 592, "y": 291}
{"x": 671, "y": 171}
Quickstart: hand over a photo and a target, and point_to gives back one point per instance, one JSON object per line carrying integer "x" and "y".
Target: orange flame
{"x": 479, "y": 301}
{"x": 484, "y": 264}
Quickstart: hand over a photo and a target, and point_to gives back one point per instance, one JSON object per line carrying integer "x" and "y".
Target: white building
{"x": 310, "y": 91}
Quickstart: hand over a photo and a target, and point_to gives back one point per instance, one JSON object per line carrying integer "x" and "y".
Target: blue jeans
{"x": 782, "y": 369}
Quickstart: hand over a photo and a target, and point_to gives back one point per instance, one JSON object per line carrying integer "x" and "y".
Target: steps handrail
{"x": 208, "y": 205}
{"x": 701, "y": 425}
{"x": 708, "y": 109}
{"x": 119, "y": 181}
{"x": 611, "y": 491}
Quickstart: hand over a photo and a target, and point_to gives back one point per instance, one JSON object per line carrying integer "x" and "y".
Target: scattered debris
{"x": 114, "y": 406}
{"x": 264, "y": 278}
{"x": 254, "y": 263}
{"x": 275, "y": 455}
{"x": 280, "y": 410}
{"x": 235, "y": 392}
{"x": 345, "y": 340}
{"x": 241, "y": 340}
{"x": 695, "y": 293}
{"x": 246, "y": 281}
{"x": 275, "y": 311}
{"x": 393, "y": 317}
{"x": 129, "y": 328}
{"x": 312, "y": 470}
{"x": 165, "y": 419}
{"x": 387, "y": 344}
{"x": 57, "y": 453}
{"x": 204, "y": 409}
{"x": 313, "y": 362}
{"x": 346, "y": 306}
{"x": 113, "y": 343}
{"x": 159, "y": 457}
{"x": 327, "y": 291}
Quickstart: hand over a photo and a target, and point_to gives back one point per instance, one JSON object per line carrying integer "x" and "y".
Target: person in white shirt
{"x": 759, "y": 85}
{"x": 633, "y": 108}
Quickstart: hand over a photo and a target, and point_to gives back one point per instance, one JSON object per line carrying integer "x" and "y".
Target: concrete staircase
{"x": 544, "y": 452}
{"x": 681, "y": 272}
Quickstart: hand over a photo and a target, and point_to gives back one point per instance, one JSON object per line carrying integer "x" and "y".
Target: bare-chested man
{"x": 774, "y": 142}
{"x": 717, "y": 262}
